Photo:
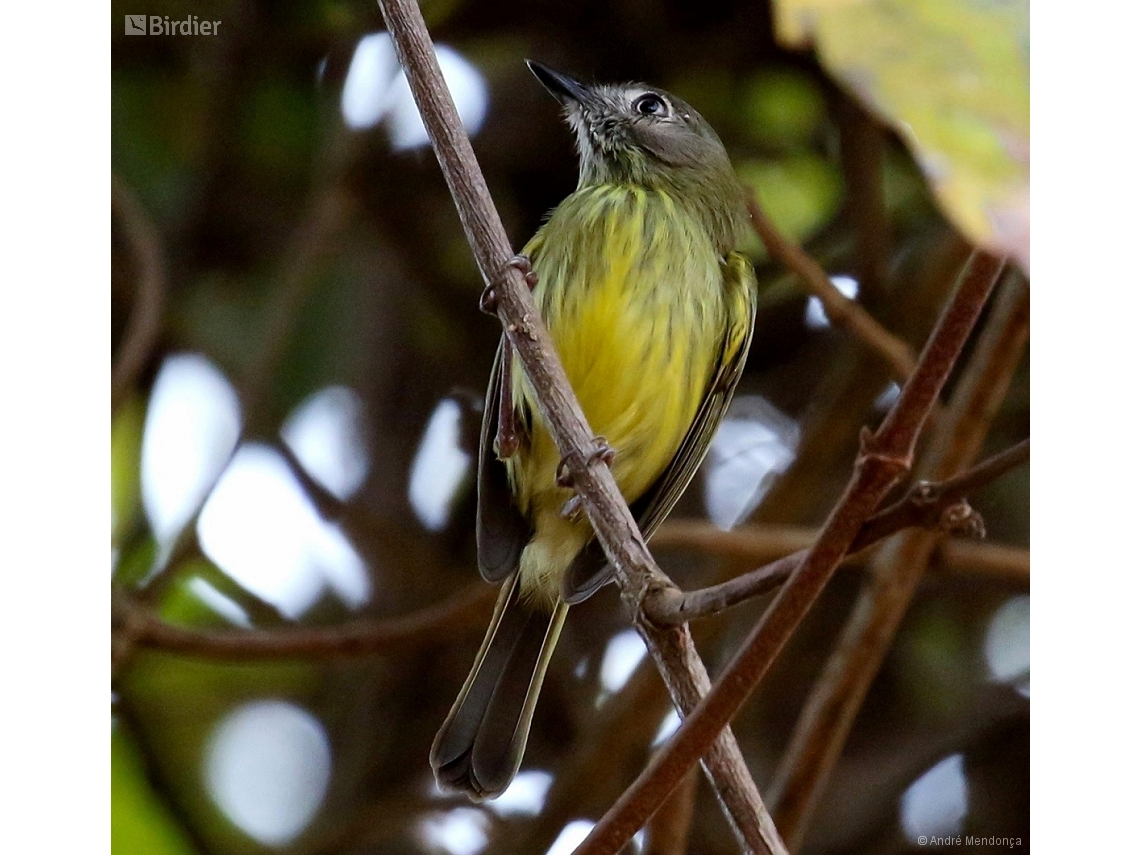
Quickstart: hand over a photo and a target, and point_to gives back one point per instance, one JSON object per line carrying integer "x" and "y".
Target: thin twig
{"x": 830, "y": 711}
{"x": 840, "y": 310}
{"x": 936, "y": 506}
{"x": 431, "y": 625}
{"x": 843, "y": 400}
{"x": 688, "y": 682}
{"x": 761, "y": 542}
{"x": 616, "y": 530}
{"x": 145, "y": 322}
{"x": 884, "y": 457}
{"x": 926, "y": 503}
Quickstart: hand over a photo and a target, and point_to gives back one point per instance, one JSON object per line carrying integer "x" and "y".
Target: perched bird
{"x": 651, "y": 311}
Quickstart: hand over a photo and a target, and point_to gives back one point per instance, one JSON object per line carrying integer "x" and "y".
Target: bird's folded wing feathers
{"x": 501, "y": 531}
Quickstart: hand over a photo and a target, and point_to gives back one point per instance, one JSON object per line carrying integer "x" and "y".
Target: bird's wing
{"x": 589, "y": 570}
{"x": 501, "y": 531}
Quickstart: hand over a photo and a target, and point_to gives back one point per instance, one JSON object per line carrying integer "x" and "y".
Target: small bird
{"x": 651, "y": 311}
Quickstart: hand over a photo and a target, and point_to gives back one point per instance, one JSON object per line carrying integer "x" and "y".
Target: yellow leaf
{"x": 952, "y": 77}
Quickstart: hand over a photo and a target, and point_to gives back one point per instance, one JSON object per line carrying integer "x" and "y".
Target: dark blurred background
{"x": 293, "y": 443}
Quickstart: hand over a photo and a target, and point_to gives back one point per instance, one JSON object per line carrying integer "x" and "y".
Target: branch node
{"x": 660, "y": 599}
{"x": 960, "y": 518}
{"x": 896, "y": 464}
{"x": 924, "y": 494}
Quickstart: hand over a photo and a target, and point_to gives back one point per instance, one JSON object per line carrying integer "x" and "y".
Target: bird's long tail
{"x": 480, "y": 745}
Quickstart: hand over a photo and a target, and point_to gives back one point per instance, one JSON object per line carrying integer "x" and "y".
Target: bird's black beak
{"x": 565, "y": 89}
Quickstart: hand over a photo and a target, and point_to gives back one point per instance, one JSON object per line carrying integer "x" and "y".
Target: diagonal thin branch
{"x": 840, "y": 310}
{"x": 145, "y": 322}
{"x": 926, "y": 503}
{"x": 827, "y": 717}
{"x": 669, "y": 827}
{"x": 618, "y": 534}
{"x": 884, "y": 457}
{"x": 937, "y": 506}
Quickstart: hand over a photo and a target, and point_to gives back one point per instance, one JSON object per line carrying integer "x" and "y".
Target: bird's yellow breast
{"x": 631, "y": 289}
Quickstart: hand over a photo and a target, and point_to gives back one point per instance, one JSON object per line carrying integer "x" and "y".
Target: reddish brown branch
{"x": 145, "y": 322}
{"x": 668, "y": 830}
{"x": 592, "y": 773}
{"x": 926, "y": 503}
{"x": 885, "y": 456}
{"x": 616, "y": 530}
{"x": 830, "y": 711}
{"x": 432, "y": 625}
{"x": 688, "y": 682}
{"x": 937, "y": 506}
{"x": 840, "y": 310}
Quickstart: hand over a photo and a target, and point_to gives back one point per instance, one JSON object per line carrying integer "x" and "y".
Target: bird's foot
{"x": 603, "y": 451}
{"x": 572, "y": 510}
{"x": 489, "y": 299}
{"x": 521, "y": 263}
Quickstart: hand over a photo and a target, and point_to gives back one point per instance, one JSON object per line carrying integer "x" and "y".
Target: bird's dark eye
{"x": 651, "y": 105}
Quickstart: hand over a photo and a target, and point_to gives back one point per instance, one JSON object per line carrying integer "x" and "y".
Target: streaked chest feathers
{"x": 632, "y": 291}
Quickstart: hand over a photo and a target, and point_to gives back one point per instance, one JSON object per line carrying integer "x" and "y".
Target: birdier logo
{"x": 161, "y": 25}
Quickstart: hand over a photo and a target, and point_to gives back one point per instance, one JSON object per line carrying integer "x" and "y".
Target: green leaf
{"x": 140, "y": 822}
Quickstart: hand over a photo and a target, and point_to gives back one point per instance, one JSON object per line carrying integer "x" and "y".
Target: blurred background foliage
{"x": 296, "y": 445}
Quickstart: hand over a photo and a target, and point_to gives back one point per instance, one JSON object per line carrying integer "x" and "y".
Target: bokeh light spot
{"x": 260, "y": 527}
{"x": 623, "y": 654}
{"x": 268, "y": 765}
{"x": 1007, "y": 643}
{"x": 570, "y": 836}
{"x": 525, "y": 795}
{"x": 669, "y": 725}
{"x": 814, "y": 316}
{"x": 752, "y": 446}
{"x": 218, "y": 602}
{"x": 936, "y": 804}
{"x": 192, "y": 426}
{"x": 439, "y": 467}
{"x": 326, "y": 432}
{"x": 462, "y": 831}
{"x": 375, "y": 87}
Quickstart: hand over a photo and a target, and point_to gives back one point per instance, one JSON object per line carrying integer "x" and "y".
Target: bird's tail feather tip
{"x": 479, "y": 748}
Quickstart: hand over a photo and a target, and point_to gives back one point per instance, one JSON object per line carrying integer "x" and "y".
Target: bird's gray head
{"x": 633, "y": 133}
